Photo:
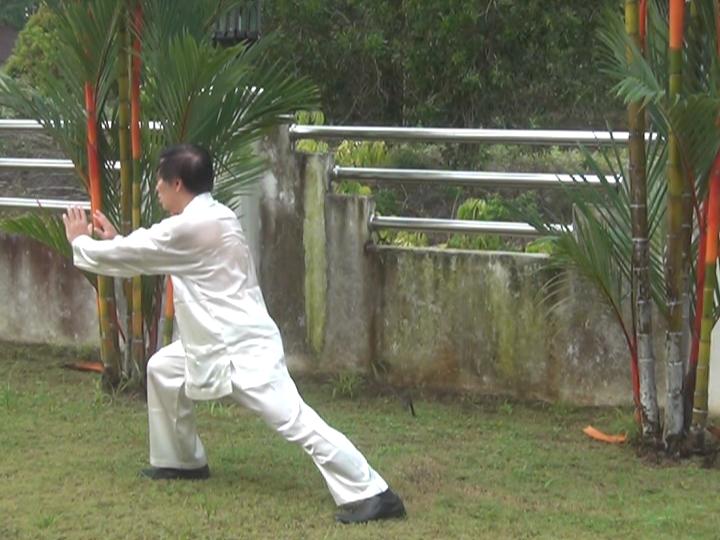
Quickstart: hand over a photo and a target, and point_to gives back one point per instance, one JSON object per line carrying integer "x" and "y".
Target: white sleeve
{"x": 157, "y": 250}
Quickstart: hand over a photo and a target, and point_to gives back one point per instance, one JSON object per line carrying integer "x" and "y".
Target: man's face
{"x": 168, "y": 192}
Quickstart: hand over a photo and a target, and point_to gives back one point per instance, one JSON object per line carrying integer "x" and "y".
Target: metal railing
{"x": 428, "y": 135}
{"x": 50, "y": 204}
{"x": 523, "y": 180}
{"x": 7, "y": 124}
{"x": 465, "y": 178}
{"x": 35, "y": 163}
{"x": 41, "y": 163}
{"x": 540, "y": 137}
{"x": 502, "y": 228}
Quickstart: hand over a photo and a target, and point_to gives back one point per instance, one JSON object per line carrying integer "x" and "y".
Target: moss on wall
{"x": 314, "y": 243}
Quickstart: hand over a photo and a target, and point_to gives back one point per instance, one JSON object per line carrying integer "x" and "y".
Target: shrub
{"x": 33, "y": 59}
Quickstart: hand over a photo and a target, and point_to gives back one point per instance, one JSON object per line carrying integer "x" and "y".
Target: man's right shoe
{"x": 385, "y": 505}
{"x": 167, "y": 473}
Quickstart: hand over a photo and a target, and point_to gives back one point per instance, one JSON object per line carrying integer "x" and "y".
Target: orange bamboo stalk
{"x": 138, "y": 352}
{"x": 677, "y": 21}
{"x": 92, "y": 149}
{"x": 169, "y": 313}
{"x": 135, "y": 90}
{"x": 642, "y": 23}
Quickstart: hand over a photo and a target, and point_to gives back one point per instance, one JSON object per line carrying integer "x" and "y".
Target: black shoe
{"x": 167, "y": 473}
{"x": 386, "y": 505}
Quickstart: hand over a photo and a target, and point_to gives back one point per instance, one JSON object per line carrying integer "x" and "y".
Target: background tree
{"x": 438, "y": 63}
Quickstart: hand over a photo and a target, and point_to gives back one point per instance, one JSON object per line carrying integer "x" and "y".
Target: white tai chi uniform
{"x": 229, "y": 345}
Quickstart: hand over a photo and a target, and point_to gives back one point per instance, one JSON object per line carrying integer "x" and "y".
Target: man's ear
{"x": 178, "y": 186}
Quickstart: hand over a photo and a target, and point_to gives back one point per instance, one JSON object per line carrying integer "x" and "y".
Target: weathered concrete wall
{"x": 447, "y": 319}
{"x": 473, "y": 320}
{"x": 281, "y": 267}
{"x": 351, "y": 285}
{"x": 44, "y": 298}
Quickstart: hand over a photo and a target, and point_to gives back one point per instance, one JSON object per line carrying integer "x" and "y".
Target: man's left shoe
{"x": 167, "y": 473}
{"x": 385, "y": 505}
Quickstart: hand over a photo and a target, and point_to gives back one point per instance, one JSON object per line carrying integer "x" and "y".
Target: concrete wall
{"x": 423, "y": 317}
{"x": 474, "y": 320}
{"x": 445, "y": 319}
{"x": 418, "y": 317}
{"x": 44, "y": 299}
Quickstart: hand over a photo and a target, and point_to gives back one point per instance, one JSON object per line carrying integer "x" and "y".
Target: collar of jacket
{"x": 199, "y": 202}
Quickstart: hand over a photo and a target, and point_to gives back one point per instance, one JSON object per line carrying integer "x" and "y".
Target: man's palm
{"x": 76, "y": 224}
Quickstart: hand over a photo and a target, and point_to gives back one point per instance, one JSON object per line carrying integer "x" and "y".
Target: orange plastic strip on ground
{"x": 598, "y": 435}
{"x": 95, "y": 367}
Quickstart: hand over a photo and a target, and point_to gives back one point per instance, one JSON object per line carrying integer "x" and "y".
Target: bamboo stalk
{"x": 645, "y": 395}
{"x": 642, "y": 24}
{"x": 700, "y": 401}
{"x": 123, "y": 81}
{"x": 105, "y": 288}
{"x": 710, "y": 237}
{"x": 677, "y": 252}
{"x": 169, "y": 313}
{"x": 138, "y": 341}
{"x": 689, "y": 389}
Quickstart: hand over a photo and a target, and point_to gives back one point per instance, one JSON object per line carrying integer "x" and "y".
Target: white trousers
{"x": 174, "y": 441}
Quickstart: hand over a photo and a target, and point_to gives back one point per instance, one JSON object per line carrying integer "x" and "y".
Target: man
{"x": 229, "y": 345}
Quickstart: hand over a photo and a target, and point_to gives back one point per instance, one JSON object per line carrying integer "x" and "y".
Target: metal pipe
{"x": 504, "y": 228}
{"x": 7, "y": 124}
{"x": 55, "y": 204}
{"x": 37, "y": 163}
{"x": 487, "y": 136}
{"x": 26, "y": 124}
{"x": 466, "y": 178}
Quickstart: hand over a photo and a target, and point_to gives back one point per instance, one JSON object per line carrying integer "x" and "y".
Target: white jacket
{"x": 219, "y": 309}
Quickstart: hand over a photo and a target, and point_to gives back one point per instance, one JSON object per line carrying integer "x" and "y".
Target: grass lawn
{"x": 69, "y": 457}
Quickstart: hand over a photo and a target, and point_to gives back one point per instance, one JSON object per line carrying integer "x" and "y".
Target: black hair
{"x": 189, "y": 163}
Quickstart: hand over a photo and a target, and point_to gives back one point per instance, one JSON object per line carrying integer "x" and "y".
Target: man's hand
{"x": 76, "y": 224}
{"x": 103, "y": 228}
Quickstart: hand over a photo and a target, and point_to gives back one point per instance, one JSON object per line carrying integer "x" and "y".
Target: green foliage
{"x": 44, "y": 227}
{"x": 599, "y": 244}
{"x": 541, "y": 245}
{"x": 313, "y": 118}
{"x": 386, "y": 203}
{"x": 552, "y": 159}
{"x": 435, "y": 62}
{"x": 350, "y": 187}
{"x": 346, "y": 385}
{"x": 33, "y": 59}
{"x": 409, "y": 156}
{"x": 361, "y": 154}
{"x": 493, "y": 208}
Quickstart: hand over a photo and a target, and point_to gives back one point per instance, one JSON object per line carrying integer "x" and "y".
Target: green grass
{"x": 69, "y": 457}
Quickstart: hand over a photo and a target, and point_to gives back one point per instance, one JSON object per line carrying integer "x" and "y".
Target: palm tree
{"x": 137, "y": 337}
{"x": 600, "y": 247}
{"x": 123, "y": 84}
{"x": 683, "y": 104}
{"x": 700, "y": 401}
{"x": 677, "y": 249}
{"x": 223, "y": 99}
{"x": 649, "y": 414}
